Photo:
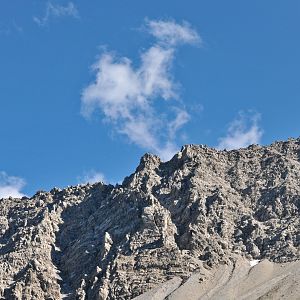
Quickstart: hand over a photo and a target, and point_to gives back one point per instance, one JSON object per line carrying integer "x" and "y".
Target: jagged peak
{"x": 149, "y": 161}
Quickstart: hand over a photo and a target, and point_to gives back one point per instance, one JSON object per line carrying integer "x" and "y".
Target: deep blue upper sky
{"x": 248, "y": 61}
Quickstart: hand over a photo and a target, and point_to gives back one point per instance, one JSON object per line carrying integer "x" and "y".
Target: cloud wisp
{"x": 128, "y": 97}
{"x": 171, "y": 33}
{"x": 11, "y": 186}
{"x": 10, "y": 28}
{"x": 91, "y": 177}
{"x": 242, "y": 132}
{"x": 57, "y": 11}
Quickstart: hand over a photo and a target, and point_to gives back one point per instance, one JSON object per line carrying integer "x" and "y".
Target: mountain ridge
{"x": 201, "y": 210}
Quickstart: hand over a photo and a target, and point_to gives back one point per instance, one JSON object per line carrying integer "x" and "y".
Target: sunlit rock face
{"x": 168, "y": 222}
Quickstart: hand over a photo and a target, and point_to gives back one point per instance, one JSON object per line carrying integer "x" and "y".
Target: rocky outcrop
{"x": 167, "y": 222}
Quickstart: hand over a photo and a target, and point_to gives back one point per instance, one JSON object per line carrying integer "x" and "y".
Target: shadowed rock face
{"x": 200, "y": 210}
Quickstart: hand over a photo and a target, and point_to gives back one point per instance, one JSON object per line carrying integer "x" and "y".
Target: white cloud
{"x": 128, "y": 96}
{"x": 11, "y": 186}
{"x": 57, "y": 11}
{"x": 242, "y": 132}
{"x": 171, "y": 33}
{"x": 182, "y": 117}
{"x": 91, "y": 177}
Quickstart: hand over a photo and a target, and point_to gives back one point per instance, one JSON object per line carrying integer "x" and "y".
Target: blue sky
{"x": 86, "y": 88}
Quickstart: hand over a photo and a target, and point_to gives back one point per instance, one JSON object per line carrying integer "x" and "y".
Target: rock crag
{"x": 204, "y": 212}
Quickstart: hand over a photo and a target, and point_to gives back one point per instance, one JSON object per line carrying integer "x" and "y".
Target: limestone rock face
{"x": 167, "y": 222}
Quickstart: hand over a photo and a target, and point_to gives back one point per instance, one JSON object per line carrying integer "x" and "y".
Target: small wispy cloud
{"x": 10, "y": 28}
{"x": 5, "y": 30}
{"x": 11, "y": 186}
{"x": 172, "y": 33}
{"x": 180, "y": 119}
{"x": 242, "y": 132}
{"x": 127, "y": 95}
{"x": 17, "y": 27}
{"x": 57, "y": 11}
{"x": 91, "y": 177}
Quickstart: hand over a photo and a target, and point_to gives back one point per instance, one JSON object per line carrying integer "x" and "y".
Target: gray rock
{"x": 167, "y": 220}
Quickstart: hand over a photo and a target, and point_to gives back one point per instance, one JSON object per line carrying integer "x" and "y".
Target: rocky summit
{"x": 207, "y": 224}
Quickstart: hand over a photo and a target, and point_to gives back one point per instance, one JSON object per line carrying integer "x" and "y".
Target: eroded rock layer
{"x": 167, "y": 221}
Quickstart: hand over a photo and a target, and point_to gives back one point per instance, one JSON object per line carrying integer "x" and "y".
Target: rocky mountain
{"x": 207, "y": 224}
